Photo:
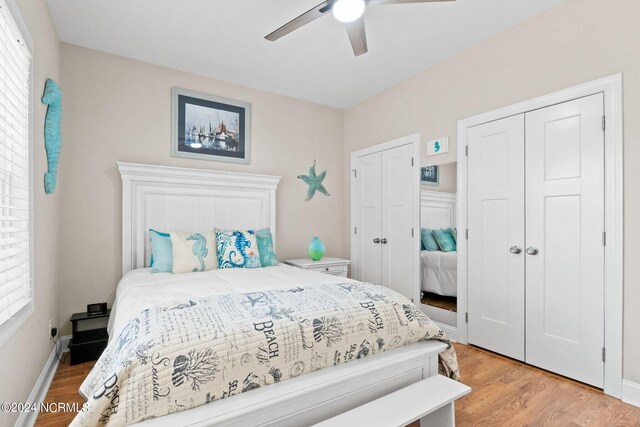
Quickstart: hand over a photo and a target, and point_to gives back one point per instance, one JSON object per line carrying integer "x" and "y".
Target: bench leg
{"x": 443, "y": 417}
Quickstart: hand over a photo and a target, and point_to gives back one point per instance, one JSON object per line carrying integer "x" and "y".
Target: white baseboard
{"x": 631, "y": 392}
{"x": 451, "y": 331}
{"x": 39, "y": 391}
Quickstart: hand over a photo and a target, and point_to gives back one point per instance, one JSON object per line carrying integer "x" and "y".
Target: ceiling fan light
{"x": 348, "y": 10}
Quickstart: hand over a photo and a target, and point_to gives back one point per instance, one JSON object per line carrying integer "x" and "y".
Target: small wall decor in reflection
{"x": 208, "y": 127}
{"x": 429, "y": 175}
{"x": 314, "y": 182}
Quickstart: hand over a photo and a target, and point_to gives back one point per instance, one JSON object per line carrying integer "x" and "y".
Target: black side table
{"x": 89, "y": 337}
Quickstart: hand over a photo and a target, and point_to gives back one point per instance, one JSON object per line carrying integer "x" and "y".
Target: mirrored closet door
{"x": 438, "y": 249}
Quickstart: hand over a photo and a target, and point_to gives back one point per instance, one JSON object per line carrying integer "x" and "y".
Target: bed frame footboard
{"x": 315, "y": 397}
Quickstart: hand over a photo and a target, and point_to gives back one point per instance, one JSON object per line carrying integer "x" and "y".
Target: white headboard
{"x": 437, "y": 209}
{"x": 179, "y": 199}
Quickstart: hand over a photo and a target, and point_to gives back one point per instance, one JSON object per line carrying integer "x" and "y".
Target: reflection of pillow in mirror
{"x": 428, "y": 240}
{"x": 454, "y": 233}
{"x": 445, "y": 240}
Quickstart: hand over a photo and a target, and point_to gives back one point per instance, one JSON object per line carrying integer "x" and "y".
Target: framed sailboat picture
{"x": 429, "y": 175}
{"x": 208, "y": 127}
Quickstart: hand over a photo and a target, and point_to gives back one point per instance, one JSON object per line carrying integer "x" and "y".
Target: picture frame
{"x": 430, "y": 175}
{"x": 208, "y": 127}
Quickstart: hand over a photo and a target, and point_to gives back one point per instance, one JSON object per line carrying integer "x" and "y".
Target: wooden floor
{"x": 440, "y": 301}
{"x": 505, "y": 393}
{"x": 510, "y": 393}
{"x": 64, "y": 388}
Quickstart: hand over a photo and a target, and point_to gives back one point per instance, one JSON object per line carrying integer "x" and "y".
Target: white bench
{"x": 430, "y": 401}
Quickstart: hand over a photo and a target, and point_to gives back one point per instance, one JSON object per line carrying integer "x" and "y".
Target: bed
{"x": 439, "y": 273}
{"x": 159, "y": 320}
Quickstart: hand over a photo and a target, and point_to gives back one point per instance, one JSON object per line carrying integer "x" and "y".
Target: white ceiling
{"x": 224, "y": 39}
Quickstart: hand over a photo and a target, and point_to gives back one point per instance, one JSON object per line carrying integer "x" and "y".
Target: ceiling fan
{"x": 351, "y": 12}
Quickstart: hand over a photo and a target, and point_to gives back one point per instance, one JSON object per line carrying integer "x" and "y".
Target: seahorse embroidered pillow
{"x": 193, "y": 252}
{"x": 237, "y": 249}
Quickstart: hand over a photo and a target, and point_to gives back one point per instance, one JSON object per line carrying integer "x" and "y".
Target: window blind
{"x": 15, "y": 281}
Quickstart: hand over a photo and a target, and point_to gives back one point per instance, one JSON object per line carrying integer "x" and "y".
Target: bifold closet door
{"x": 496, "y": 236}
{"x": 398, "y": 201}
{"x": 564, "y": 226}
{"x": 369, "y": 200}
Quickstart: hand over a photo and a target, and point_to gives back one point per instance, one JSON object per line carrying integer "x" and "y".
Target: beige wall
{"x": 23, "y": 356}
{"x": 118, "y": 109}
{"x": 577, "y": 42}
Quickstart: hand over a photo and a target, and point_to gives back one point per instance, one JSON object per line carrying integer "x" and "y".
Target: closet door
{"x": 565, "y": 221}
{"x": 369, "y": 210}
{"x": 398, "y": 198}
{"x": 496, "y": 236}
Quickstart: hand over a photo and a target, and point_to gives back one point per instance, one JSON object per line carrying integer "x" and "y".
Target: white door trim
{"x": 611, "y": 87}
{"x": 414, "y": 140}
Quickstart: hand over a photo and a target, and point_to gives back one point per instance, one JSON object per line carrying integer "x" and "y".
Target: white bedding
{"x": 180, "y": 341}
{"x": 140, "y": 288}
{"x": 439, "y": 272}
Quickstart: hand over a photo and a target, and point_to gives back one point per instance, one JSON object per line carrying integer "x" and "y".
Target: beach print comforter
{"x": 188, "y": 353}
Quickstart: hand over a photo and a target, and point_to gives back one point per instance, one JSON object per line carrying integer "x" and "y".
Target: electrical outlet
{"x": 49, "y": 330}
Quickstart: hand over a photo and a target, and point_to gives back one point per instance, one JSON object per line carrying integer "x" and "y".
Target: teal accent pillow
{"x": 428, "y": 240}
{"x": 237, "y": 249}
{"x": 454, "y": 233}
{"x": 161, "y": 252}
{"x": 161, "y": 234}
{"x": 267, "y": 254}
{"x": 445, "y": 240}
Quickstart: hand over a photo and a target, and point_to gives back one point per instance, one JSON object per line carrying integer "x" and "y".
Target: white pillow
{"x": 193, "y": 252}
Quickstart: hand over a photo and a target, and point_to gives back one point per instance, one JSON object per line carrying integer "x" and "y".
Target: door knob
{"x": 383, "y": 241}
{"x": 532, "y": 250}
{"x": 376, "y": 240}
{"x": 515, "y": 249}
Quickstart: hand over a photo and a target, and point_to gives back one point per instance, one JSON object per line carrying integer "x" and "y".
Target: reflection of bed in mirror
{"x": 438, "y": 274}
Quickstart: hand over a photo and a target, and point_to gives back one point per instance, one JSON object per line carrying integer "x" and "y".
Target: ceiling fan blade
{"x": 357, "y": 36}
{"x": 377, "y": 2}
{"x": 305, "y": 18}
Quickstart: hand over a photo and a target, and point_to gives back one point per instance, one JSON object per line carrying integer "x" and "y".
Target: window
{"x": 16, "y": 293}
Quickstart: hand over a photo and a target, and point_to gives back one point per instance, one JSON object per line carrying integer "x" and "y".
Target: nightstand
{"x": 334, "y": 266}
{"x": 89, "y": 337}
